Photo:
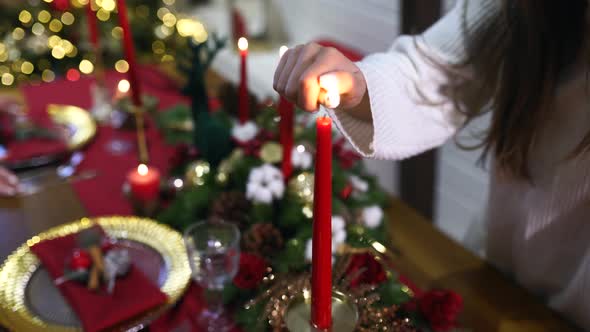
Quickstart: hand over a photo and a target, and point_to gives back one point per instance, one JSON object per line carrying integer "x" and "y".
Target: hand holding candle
{"x": 299, "y": 78}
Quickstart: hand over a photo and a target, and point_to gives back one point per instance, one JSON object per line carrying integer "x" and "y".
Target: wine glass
{"x": 214, "y": 254}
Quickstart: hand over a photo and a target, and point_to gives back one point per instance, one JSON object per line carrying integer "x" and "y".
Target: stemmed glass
{"x": 213, "y": 251}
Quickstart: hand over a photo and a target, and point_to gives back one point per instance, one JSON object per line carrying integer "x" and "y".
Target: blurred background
{"x": 445, "y": 185}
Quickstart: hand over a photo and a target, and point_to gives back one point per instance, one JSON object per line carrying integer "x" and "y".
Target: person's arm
{"x": 391, "y": 103}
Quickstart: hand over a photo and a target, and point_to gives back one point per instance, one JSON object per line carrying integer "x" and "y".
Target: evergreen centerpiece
{"x": 247, "y": 187}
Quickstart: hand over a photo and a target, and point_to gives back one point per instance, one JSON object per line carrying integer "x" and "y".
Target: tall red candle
{"x": 244, "y": 106}
{"x": 92, "y": 26}
{"x": 321, "y": 270}
{"x": 286, "y": 111}
{"x": 129, "y": 53}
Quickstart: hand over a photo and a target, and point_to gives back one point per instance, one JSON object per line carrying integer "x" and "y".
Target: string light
{"x": 55, "y": 25}
{"x": 58, "y": 52}
{"x": 161, "y": 12}
{"x": 86, "y": 67}
{"x": 44, "y": 16}
{"x": 67, "y": 18}
{"x": 7, "y": 79}
{"x": 72, "y": 75}
{"x": 38, "y": 29}
{"x": 117, "y": 32}
{"x": 108, "y": 5}
{"x": 124, "y": 86}
{"x": 27, "y": 68}
{"x": 25, "y": 16}
{"x": 169, "y": 2}
{"x": 169, "y": 20}
{"x": 103, "y": 15}
{"x": 121, "y": 66}
{"x": 47, "y": 75}
{"x": 18, "y": 34}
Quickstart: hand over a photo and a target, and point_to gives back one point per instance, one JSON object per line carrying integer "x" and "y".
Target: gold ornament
{"x": 227, "y": 166}
{"x": 196, "y": 173}
{"x": 271, "y": 152}
{"x": 301, "y": 186}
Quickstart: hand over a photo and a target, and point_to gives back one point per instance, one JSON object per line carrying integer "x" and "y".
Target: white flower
{"x": 265, "y": 183}
{"x": 359, "y": 184}
{"x": 372, "y": 216}
{"x": 338, "y": 236}
{"x": 244, "y": 132}
{"x": 300, "y": 157}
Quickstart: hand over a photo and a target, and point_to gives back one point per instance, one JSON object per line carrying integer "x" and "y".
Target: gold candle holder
{"x": 345, "y": 315}
{"x": 141, "y": 139}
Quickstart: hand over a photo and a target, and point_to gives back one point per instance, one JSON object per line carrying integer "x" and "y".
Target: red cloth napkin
{"x": 183, "y": 317}
{"x": 133, "y": 294}
{"x": 19, "y": 151}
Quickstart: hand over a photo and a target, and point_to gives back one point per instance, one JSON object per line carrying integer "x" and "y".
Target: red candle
{"x": 286, "y": 111}
{"x": 129, "y": 53}
{"x": 321, "y": 270}
{"x": 144, "y": 182}
{"x": 92, "y": 26}
{"x": 243, "y": 93}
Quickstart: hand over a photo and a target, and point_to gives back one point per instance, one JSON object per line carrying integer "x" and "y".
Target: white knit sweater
{"x": 539, "y": 234}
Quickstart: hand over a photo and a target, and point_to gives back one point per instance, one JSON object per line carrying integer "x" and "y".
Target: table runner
{"x": 102, "y": 195}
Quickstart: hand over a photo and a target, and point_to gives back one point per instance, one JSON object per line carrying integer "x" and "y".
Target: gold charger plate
{"x": 81, "y": 126}
{"x": 21, "y": 266}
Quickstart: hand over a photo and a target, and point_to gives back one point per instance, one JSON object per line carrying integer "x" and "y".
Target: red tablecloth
{"x": 102, "y": 195}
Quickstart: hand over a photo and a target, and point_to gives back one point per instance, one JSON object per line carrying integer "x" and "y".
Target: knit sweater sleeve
{"x": 409, "y": 113}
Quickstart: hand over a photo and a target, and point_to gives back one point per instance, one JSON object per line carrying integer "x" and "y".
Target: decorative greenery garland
{"x": 247, "y": 188}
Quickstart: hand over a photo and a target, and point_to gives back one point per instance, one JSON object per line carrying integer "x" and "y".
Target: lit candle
{"x": 321, "y": 270}
{"x": 92, "y": 26}
{"x": 286, "y": 111}
{"x": 243, "y": 93}
{"x": 129, "y": 53}
{"x": 144, "y": 182}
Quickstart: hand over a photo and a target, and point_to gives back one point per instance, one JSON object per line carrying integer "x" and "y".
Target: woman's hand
{"x": 8, "y": 182}
{"x": 301, "y": 72}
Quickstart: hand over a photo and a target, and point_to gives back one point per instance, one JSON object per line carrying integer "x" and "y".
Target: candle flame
{"x": 329, "y": 83}
{"x": 282, "y": 50}
{"x": 124, "y": 86}
{"x": 142, "y": 169}
{"x": 178, "y": 183}
{"x": 243, "y": 44}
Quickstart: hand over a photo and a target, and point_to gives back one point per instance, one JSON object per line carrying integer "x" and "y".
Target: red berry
{"x": 81, "y": 260}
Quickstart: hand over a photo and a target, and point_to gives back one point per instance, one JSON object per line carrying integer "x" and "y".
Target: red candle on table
{"x": 92, "y": 26}
{"x": 144, "y": 182}
{"x": 321, "y": 270}
{"x": 286, "y": 111}
{"x": 244, "y": 106}
{"x": 129, "y": 53}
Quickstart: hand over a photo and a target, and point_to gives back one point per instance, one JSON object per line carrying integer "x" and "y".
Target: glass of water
{"x": 214, "y": 254}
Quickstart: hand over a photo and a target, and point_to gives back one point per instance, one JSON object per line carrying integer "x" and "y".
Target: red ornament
{"x": 440, "y": 308}
{"x": 251, "y": 272}
{"x": 346, "y": 191}
{"x": 81, "y": 260}
{"x": 345, "y": 156}
{"x": 372, "y": 274}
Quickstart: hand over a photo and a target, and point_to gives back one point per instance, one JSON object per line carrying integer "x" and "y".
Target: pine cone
{"x": 231, "y": 207}
{"x": 262, "y": 239}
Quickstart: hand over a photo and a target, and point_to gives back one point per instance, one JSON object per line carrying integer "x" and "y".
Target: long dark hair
{"x": 518, "y": 59}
